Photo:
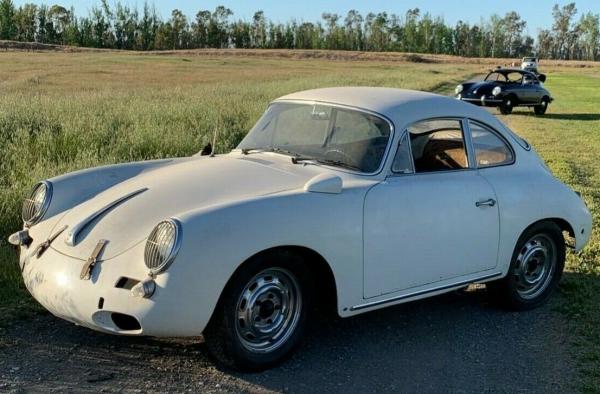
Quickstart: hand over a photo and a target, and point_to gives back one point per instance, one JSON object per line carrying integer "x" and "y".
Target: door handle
{"x": 490, "y": 202}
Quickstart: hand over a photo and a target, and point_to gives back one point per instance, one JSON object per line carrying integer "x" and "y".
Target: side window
{"x": 490, "y": 150}
{"x": 438, "y": 145}
{"x": 402, "y": 162}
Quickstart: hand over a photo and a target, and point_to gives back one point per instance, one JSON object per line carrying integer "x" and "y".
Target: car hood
{"x": 135, "y": 206}
{"x": 480, "y": 88}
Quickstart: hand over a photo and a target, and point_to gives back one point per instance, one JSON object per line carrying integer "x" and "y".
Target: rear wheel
{"x": 507, "y": 105}
{"x": 542, "y": 107}
{"x": 535, "y": 270}
{"x": 262, "y": 313}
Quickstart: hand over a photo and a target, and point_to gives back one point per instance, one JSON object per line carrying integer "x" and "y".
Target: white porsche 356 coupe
{"x": 362, "y": 197}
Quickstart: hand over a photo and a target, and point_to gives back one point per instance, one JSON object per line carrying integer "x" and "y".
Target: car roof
{"x": 510, "y": 70}
{"x": 403, "y": 107}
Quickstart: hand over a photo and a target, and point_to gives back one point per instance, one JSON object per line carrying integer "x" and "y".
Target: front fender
{"x": 218, "y": 239}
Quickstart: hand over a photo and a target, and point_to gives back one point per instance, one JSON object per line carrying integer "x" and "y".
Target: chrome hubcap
{"x": 535, "y": 266}
{"x": 268, "y": 310}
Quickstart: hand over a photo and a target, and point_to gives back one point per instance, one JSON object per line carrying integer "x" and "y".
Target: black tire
{"x": 542, "y": 107}
{"x": 507, "y": 105}
{"x": 510, "y": 292}
{"x": 223, "y": 334}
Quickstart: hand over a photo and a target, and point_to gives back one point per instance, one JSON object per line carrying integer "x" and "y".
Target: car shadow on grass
{"x": 568, "y": 116}
{"x": 453, "y": 342}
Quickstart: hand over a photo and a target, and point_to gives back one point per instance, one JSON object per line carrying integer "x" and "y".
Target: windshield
{"x": 327, "y": 134}
{"x": 510, "y": 77}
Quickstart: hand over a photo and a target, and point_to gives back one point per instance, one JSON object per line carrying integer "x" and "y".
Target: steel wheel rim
{"x": 535, "y": 267}
{"x": 268, "y": 310}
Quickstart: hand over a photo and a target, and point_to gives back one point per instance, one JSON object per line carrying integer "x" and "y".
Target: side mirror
{"x": 207, "y": 150}
{"x": 542, "y": 77}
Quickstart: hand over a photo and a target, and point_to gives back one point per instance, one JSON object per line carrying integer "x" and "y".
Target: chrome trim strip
{"x": 421, "y": 292}
{"x": 478, "y": 100}
{"x": 72, "y": 235}
{"x": 468, "y": 141}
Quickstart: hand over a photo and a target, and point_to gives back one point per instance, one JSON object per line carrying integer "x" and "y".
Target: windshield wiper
{"x": 283, "y": 151}
{"x": 335, "y": 163}
{"x": 246, "y": 151}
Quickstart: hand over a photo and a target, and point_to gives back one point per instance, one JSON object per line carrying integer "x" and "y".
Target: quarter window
{"x": 490, "y": 150}
{"x": 438, "y": 145}
{"x": 402, "y": 162}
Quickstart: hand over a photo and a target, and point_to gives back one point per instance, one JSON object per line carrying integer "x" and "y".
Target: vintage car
{"x": 530, "y": 64}
{"x": 355, "y": 198}
{"x": 507, "y": 88}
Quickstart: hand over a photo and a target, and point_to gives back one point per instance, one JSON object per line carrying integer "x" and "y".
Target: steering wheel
{"x": 341, "y": 156}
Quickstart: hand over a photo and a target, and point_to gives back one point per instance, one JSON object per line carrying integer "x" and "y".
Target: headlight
{"x": 36, "y": 204}
{"x": 458, "y": 89}
{"x": 497, "y": 90}
{"x": 162, "y": 245}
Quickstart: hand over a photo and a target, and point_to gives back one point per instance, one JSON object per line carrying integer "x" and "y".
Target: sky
{"x": 538, "y": 13}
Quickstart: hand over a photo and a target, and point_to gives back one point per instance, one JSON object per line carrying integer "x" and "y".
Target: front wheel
{"x": 535, "y": 270}
{"x": 507, "y": 105}
{"x": 262, "y": 313}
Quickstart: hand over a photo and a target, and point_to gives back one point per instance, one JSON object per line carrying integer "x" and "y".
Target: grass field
{"x": 61, "y": 112}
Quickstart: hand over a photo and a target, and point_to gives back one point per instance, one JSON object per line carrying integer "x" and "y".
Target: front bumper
{"x": 100, "y": 304}
{"x": 484, "y": 101}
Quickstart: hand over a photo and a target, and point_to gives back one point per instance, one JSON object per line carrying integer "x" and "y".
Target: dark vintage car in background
{"x": 507, "y": 88}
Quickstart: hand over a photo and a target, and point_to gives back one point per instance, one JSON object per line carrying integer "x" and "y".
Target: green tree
{"x": 514, "y": 26}
{"x": 563, "y": 30}
{"x": 147, "y": 28}
{"x": 8, "y": 28}
{"x": 589, "y": 25}
{"x": 25, "y": 22}
{"x": 259, "y": 30}
{"x": 218, "y": 35}
{"x": 179, "y": 30}
{"x": 354, "y": 32}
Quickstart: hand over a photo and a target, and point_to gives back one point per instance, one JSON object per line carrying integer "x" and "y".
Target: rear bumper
{"x": 98, "y": 303}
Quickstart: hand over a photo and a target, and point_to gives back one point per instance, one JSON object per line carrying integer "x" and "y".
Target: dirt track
{"x": 451, "y": 343}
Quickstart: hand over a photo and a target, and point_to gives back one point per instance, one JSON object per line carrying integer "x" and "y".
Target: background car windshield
{"x": 514, "y": 77}
{"x": 337, "y": 136}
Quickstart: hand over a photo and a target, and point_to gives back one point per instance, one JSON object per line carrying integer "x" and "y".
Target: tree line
{"x": 122, "y": 27}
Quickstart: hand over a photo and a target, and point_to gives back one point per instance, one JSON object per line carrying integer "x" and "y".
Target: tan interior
{"x": 440, "y": 155}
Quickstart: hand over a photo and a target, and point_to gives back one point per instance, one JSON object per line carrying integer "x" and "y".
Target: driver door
{"x": 529, "y": 90}
{"x": 433, "y": 219}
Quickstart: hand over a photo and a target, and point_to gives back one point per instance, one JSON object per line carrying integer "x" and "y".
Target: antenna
{"x": 214, "y": 144}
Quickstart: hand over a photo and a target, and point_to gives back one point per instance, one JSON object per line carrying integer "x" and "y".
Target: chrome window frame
{"x": 388, "y": 148}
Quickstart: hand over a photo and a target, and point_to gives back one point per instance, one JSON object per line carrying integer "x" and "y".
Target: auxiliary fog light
{"x": 144, "y": 289}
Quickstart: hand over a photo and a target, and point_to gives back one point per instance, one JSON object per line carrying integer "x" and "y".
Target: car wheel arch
{"x": 319, "y": 268}
{"x": 561, "y": 223}
{"x": 515, "y": 99}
